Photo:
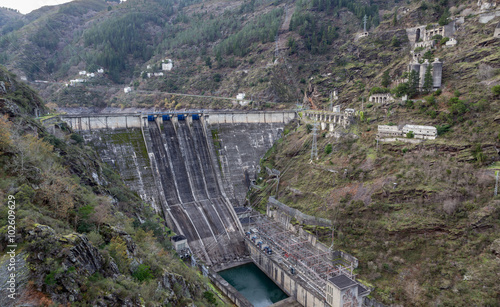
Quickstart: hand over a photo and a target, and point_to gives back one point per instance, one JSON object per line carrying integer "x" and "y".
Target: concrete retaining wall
{"x": 292, "y": 285}
{"x": 229, "y": 290}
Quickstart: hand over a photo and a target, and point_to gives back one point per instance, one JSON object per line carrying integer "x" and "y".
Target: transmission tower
{"x": 314, "y": 148}
{"x": 365, "y": 19}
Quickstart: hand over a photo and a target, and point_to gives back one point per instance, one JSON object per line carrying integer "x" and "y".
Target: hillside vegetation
{"x": 421, "y": 217}
{"x": 82, "y": 237}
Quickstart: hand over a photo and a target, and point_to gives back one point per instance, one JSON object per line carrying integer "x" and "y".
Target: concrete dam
{"x": 192, "y": 166}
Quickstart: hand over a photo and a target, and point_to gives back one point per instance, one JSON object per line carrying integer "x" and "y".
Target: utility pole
{"x": 314, "y": 148}
{"x": 331, "y": 101}
{"x": 276, "y": 53}
{"x": 496, "y": 183}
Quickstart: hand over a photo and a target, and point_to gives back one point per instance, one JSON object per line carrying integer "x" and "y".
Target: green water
{"x": 250, "y": 281}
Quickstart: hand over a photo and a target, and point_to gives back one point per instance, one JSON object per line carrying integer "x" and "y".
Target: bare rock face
{"x": 60, "y": 264}
{"x": 86, "y": 257}
{"x": 180, "y": 289}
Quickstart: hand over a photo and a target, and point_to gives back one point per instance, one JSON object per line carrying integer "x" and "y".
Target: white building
{"x": 452, "y": 42}
{"x": 240, "y": 96}
{"x": 128, "y": 89}
{"x": 100, "y": 71}
{"x": 343, "y": 291}
{"x": 158, "y": 74}
{"x": 167, "y": 65}
{"x": 76, "y": 81}
{"x": 91, "y": 75}
{"x": 386, "y": 130}
{"x": 421, "y": 132}
{"x": 82, "y": 73}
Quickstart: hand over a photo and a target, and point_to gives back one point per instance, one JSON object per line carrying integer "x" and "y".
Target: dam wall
{"x": 98, "y": 121}
{"x": 88, "y": 122}
{"x": 125, "y": 150}
{"x": 237, "y": 142}
{"x": 240, "y": 147}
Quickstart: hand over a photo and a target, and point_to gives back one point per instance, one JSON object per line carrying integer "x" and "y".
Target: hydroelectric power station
{"x": 195, "y": 168}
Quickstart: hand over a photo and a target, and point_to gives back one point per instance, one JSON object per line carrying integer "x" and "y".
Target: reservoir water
{"x": 250, "y": 281}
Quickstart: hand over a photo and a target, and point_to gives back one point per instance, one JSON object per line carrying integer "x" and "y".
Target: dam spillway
{"x": 171, "y": 162}
{"x": 203, "y": 217}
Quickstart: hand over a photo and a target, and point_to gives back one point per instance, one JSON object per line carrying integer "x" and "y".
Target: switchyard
{"x": 314, "y": 268}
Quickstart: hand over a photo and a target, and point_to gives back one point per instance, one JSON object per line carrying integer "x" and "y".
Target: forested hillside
{"x": 210, "y": 44}
{"x": 82, "y": 237}
{"x": 420, "y": 216}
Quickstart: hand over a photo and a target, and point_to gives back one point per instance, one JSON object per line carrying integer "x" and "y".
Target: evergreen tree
{"x": 413, "y": 81}
{"x": 428, "y": 82}
{"x": 386, "y": 79}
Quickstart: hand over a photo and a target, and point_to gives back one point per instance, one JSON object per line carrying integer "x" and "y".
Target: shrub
{"x": 77, "y": 138}
{"x": 437, "y": 37}
{"x": 143, "y": 272}
{"x": 328, "y": 149}
{"x": 95, "y": 238}
{"x": 379, "y": 90}
{"x": 118, "y": 250}
{"x": 210, "y": 297}
{"x": 410, "y": 135}
{"x": 443, "y": 129}
{"x": 309, "y": 128}
{"x": 444, "y": 40}
{"x": 496, "y": 90}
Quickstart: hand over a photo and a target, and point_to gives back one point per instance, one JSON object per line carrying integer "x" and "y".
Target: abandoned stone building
{"x": 381, "y": 98}
{"x": 423, "y": 34}
{"x": 419, "y": 131}
{"x": 388, "y": 131}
